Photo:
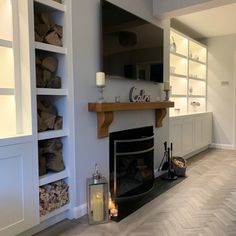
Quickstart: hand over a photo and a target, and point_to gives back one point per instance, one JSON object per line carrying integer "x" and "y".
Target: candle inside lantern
{"x": 113, "y": 209}
{"x": 100, "y": 79}
{"x": 166, "y": 85}
{"x": 98, "y": 211}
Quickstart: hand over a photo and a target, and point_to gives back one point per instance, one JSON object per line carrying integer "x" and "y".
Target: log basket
{"x": 179, "y": 165}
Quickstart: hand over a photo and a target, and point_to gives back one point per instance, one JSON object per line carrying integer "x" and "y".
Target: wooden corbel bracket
{"x": 104, "y": 119}
{"x": 160, "y": 115}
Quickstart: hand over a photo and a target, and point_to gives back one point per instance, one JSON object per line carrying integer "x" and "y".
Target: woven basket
{"x": 179, "y": 165}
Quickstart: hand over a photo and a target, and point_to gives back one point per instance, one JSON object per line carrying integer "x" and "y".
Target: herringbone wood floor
{"x": 203, "y": 204}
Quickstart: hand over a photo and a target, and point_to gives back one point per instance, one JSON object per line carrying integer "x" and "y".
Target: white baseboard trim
{"x": 80, "y": 211}
{"x": 45, "y": 224}
{"x": 222, "y": 146}
{"x": 75, "y": 213}
{"x": 186, "y": 156}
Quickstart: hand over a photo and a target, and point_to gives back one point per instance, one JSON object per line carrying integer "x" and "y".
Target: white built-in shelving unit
{"x": 189, "y": 124}
{"x": 61, "y": 98}
{"x": 19, "y": 136}
{"x": 8, "y": 126}
{"x": 188, "y": 74}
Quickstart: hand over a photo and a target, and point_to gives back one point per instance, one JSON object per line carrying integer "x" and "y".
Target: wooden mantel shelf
{"x": 105, "y": 112}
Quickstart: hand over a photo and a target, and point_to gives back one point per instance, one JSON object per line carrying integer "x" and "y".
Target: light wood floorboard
{"x": 203, "y": 204}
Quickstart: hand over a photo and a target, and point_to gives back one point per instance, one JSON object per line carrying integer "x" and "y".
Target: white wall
{"x": 170, "y": 5}
{"x": 169, "y": 8}
{"x": 221, "y": 96}
{"x": 86, "y": 49}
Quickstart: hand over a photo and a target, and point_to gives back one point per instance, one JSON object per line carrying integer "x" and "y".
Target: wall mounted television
{"x": 132, "y": 47}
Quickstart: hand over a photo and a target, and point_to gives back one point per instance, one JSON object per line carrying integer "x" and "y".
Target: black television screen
{"x": 132, "y": 47}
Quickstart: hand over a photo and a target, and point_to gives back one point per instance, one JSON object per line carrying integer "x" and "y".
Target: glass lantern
{"x": 97, "y": 199}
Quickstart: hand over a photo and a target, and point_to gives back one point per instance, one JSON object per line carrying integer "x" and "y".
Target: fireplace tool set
{"x": 166, "y": 164}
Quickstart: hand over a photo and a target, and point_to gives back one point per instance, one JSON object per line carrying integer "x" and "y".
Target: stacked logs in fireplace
{"x": 53, "y": 196}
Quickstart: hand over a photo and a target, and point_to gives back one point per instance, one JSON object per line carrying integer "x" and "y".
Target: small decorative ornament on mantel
{"x": 136, "y": 95}
{"x": 97, "y": 198}
{"x": 101, "y": 84}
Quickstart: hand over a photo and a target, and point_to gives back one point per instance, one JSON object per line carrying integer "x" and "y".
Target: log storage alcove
{"x": 105, "y": 112}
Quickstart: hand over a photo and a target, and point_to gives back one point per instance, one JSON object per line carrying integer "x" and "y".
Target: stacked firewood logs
{"x": 53, "y": 196}
{"x": 46, "y": 69}
{"x": 46, "y": 30}
{"x": 50, "y": 156}
{"x": 48, "y": 118}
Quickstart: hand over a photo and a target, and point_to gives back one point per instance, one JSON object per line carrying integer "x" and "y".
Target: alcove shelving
{"x": 188, "y": 65}
{"x": 8, "y": 126}
{"x": 54, "y": 53}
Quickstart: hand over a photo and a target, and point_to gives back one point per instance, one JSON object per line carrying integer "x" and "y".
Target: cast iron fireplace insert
{"x": 131, "y": 165}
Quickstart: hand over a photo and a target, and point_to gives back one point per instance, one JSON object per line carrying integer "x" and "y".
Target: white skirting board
{"x": 80, "y": 211}
{"x": 223, "y": 146}
{"x": 187, "y": 156}
{"x": 75, "y": 213}
{"x": 45, "y": 224}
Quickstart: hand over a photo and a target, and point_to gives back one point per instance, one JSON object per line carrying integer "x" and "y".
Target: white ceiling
{"x": 212, "y": 22}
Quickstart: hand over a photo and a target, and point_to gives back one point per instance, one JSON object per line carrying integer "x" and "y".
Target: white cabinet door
{"x": 18, "y": 205}
{"x": 190, "y": 133}
{"x": 203, "y": 130}
{"x": 176, "y": 133}
{"x": 188, "y": 143}
{"x": 198, "y": 132}
{"x": 207, "y": 129}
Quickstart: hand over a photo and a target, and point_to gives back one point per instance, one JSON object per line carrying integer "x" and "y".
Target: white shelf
{"x": 197, "y": 61}
{"x": 179, "y": 95}
{"x": 199, "y": 79}
{"x": 5, "y": 43}
{"x": 50, "y": 48}
{"x": 178, "y": 75}
{"x": 52, "y": 4}
{"x": 178, "y": 55}
{"x": 197, "y": 96}
{"x": 52, "y": 134}
{"x": 52, "y": 177}
{"x": 48, "y": 91}
{"x": 7, "y": 91}
{"x": 55, "y": 212}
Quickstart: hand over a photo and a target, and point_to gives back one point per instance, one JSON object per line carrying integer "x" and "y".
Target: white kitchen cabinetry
{"x": 188, "y": 76}
{"x": 18, "y": 202}
{"x": 190, "y": 133}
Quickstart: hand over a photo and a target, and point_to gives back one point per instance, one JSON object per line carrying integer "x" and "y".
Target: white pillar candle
{"x": 98, "y": 211}
{"x": 100, "y": 79}
{"x": 167, "y": 85}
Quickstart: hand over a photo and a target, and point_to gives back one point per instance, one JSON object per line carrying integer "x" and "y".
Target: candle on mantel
{"x": 100, "y": 79}
{"x": 166, "y": 86}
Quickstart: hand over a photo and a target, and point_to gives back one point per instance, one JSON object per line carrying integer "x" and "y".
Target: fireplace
{"x": 131, "y": 166}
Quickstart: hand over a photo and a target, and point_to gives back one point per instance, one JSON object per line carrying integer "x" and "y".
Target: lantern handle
{"x": 96, "y": 175}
